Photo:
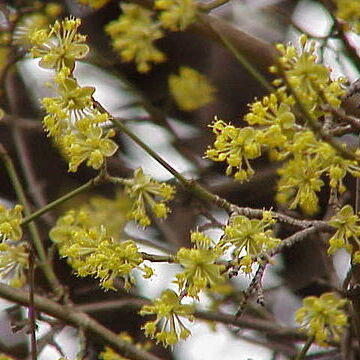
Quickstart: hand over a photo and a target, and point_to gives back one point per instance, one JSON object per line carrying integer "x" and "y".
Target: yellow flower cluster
{"x": 190, "y": 89}
{"x": 309, "y": 79}
{"x": 176, "y": 14}
{"x": 147, "y": 192}
{"x": 72, "y": 119}
{"x": 322, "y": 317}
{"x": 200, "y": 268}
{"x": 347, "y": 225}
{"x": 235, "y": 146}
{"x": 13, "y": 251}
{"x": 60, "y": 46}
{"x": 273, "y": 129}
{"x": 31, "y": 22}
{"x": 133, "y": 35}
{"x": 111, "y": 212}
{"x": 92, "y": 252}
{"x": 168, "y": 311}
{"x": 250, "y": 238}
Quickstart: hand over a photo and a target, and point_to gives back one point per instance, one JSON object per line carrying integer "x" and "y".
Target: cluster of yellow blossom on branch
{"x": 14, "y": 257}
{"x": 278, "y": 128}
{"x": 293, "y": 125}
{"x": 287, "y": 124}
{"x": 133, "y": 36}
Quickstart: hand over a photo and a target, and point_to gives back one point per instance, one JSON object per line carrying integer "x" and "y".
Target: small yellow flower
{"x": 133, "y": 35}
{"x": 90, "y": 145}
{"x": 146, "y": 191}
{"x": 27, "y": 26}
{"x": 92, "y": 252}
{"x": 347, "y": 225}
{"x": 13, "y": 263}
{"x": 322, "y": 317}
{"x": 176, "y": 14}
{"x": 249, "y": 237}
{"x": 60, "y": 46}
{"x": 10, "y": 223}
{"x": 169, "y": 312}
{"x": 309, "y": 79}
{"x": 190, "y": 89}
{"x": 200, "y": 268}
{"x": 235, "y": 146}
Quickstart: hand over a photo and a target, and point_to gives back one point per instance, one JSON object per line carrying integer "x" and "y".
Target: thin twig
{"x": 72, "y": 316}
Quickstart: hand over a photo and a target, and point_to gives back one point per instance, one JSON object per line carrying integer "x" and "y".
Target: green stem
{"x": 240, "y": 57}
{"x": 78, "y": 319}
{"x": 190, "y": 185}
{"x": 46, "y": 267}
{"x": 304, "y": 350}
{"x": 59, "y": 201}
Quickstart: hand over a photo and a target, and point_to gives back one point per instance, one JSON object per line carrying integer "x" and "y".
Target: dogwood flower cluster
{"x": 31, "y": 22}
{"x": 347, "y": 225}
{"x": 322, "y": 317}
{"x": 90, "y": 251}
{"x": 190, "y": 89}
{"x": 248, "y": 238}
{"x": 59, "y": 46}
{"x": 133, "y": 35}
{"x": 72, "y": 119}
{"x": 200, "y": 268}
{"x": 176, "y": 15}
{"x": 273, "y": 129}
{"x": 147, "y": 192}
{"x": 13, "y": 251}
{"x": 168, "y": 327}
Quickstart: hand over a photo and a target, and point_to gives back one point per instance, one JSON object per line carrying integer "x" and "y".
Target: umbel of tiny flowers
{"x": 248, "y": 238}
{"x": 14, "y": 263}
{"x": 235, "y": 146}
{"x": 133, "y": 35}
{"x": 200, "y": 268}
{"x": 75, "y": 123}
{"x": 60, "y": 46}
{"x": 72, "y": 104}
{"x": 176, "y": 14}
{"x": 10, "y": 223}
{"x": 147, "y": 192}
{"x": 309, "y": 79}
{"x": 34, "y": 21}
{"x": 190, "y": 89}
{"x": 347, "y": 225}
{"x": 91, "y": 251}
{"x": 13, "y": 252}
{"x": 88, "y": 143}
{"x": 322, "y": 317}
{"x": 168, "y": 327}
